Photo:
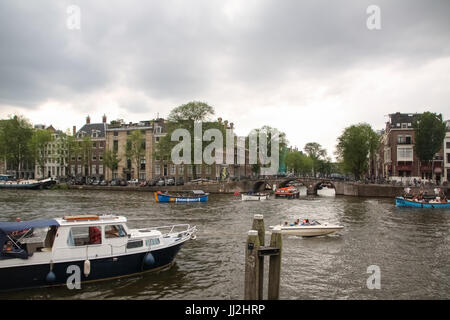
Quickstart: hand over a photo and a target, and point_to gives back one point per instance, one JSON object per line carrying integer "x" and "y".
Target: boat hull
{"x": 169, "y": 198}
{"x": 32, "y": 186}
{"x": 308, "y": 231}
{"x": 34, "y": 276}
{"x": 248, "y": 197}
{"x": 401, "y": 202}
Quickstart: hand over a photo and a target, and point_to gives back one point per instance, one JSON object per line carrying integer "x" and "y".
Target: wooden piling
{"x": 258, "y": 225}
{"x": 275, "y": 266}
{"x": 251, "y": 283}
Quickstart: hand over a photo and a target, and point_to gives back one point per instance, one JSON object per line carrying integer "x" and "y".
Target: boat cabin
{"x": 84, "y": 236}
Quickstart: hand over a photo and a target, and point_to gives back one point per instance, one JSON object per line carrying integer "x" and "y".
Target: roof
{"x": 89, "y": 128}
{"x": 402, "y": 118}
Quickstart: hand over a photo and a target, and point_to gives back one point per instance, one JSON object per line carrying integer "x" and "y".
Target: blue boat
{"x": 194, "y": 196}
{"x": 402, "y": 202}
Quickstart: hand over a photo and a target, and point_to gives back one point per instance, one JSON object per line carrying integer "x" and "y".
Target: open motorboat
{"x": 254, "y": 196}
{"x": 191, "y": 196}
{"x": 47, "y": 252}
{"x": 307, "y": 229}
{"x": 290, "y": 192}
{"x": 424, "y": 203}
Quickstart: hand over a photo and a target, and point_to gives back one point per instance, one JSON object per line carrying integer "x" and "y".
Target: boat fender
{"x": 149, "y": 259}
{"x": 51, "y": 277}
{"x": 87, "y": 267}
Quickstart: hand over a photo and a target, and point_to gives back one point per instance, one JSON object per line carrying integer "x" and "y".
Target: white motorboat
{"x": 311, "y": 229}
{"x": 41, "y": 253}
{"x": 254, "y": 196}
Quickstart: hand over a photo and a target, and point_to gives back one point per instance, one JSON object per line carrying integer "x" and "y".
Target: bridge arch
{"x": 320, "y": 184}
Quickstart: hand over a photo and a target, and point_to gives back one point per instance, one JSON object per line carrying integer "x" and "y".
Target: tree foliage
{"x": 136, "y": 149}
{"x": 39, "y": 147}
{"x": 356, "y": 144}
{"x": 429, "y": 135}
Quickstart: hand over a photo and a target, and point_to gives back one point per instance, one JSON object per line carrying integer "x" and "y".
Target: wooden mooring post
{"x": 254, "y": 261}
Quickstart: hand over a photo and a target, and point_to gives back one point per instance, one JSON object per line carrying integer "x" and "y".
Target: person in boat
{"x": 95, "y": 235}
{"x": 286, "y": 223}
{"x": 305, "y": 222}
{"x": 114, "y": 232}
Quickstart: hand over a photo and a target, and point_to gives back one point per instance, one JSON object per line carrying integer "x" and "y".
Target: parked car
{"x": 170, "y": 182}
{"x": 180, "y": 181}
{"x": 161, "y": 182}
{"x": 103, "y": 183}
{"x": 123, "y": 183}
{"x": 152, "y": 182}
{"x": 115, "y": 182}
{"x": 133, "y": 181}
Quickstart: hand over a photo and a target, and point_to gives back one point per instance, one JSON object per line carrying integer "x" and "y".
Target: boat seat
{"x": 46, "y": 249}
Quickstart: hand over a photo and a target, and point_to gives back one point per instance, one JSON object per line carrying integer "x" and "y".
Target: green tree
{"x": 111, "y": 160}
{"x": 184, "y": 117}
{"x": 136, "y": 149}
{"x": 67, "y": 148}
{"x": 38, "y": 147}
{"x": 85, "y": 148}
{"x": 317, "y": 154}
{"x": 429, "y": 132}
{"x": 299, "y": 162}
{"x": 268, "y": 131}
{"x": 355, "y": 146}
{"x": 15, "y": 136}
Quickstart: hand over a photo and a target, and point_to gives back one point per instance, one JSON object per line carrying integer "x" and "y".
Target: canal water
{"x": 409, "y": 246}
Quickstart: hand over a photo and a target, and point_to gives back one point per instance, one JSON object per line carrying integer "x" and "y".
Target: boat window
{"x": 82, "y": 236}
{"x": 135, "y": 244}
{"x": 114, "y": 231}
{"x": 154, "y": 242}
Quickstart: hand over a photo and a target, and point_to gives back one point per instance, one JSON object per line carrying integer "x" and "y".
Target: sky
{"x": 307, "y": 68}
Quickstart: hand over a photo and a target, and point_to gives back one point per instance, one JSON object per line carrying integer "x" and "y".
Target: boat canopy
{"x": 7, "y": 227}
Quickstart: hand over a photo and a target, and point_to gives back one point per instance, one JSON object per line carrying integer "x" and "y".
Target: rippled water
{"x": 410, "y": 246}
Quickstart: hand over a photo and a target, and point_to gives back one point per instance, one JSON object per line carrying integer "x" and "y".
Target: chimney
{"x": 104, "y": 118}
{"x": 74, "y": 130}
{"x": 231, "y": 125}
{"x": 88, "y": 120}
{"x": 225, "y": 123}
{"x": 219, "y": 120}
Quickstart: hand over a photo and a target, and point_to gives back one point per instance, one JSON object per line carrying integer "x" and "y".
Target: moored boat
{"x": 312, "y": 229}
{"x": 254, "y": 196}
{"x": 290, "y": 192}
{"x": 427, "y": 203}
{"x": 9, "y": 183}
{"x": 193, "y": 196}
{"x": 99, "y": 247}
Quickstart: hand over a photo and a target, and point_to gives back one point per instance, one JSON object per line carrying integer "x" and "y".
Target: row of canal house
{"x": 396, "y": 158}
{"x": 114, "y": 136}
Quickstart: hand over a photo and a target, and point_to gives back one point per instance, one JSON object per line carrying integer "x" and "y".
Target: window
{"x": 114, "y": 231}
{"x": 142, "y": 175}
{"x": 404, "y": 126}
{"x": 94, "y": 169}
{"x": 116, "y": 146}
{"x": 157, "y": 139}
{"x": 152, "y": 242}
{"x": 404, "y": 154}
{"x": 447, "y": 145}
{"x": 157, "y": 169}
{"x": 82, "y": 236}
{"x": 100, "y": 169}
{"x": 135, "y": 244}
{"x": 116, "y": 133}
{"x": 448, "y": 157}
{"x": 172, "y": 169}
{"x": 181, "y": 169}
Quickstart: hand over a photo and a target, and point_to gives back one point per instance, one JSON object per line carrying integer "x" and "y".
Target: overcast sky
{"x": 308, "y": 68}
